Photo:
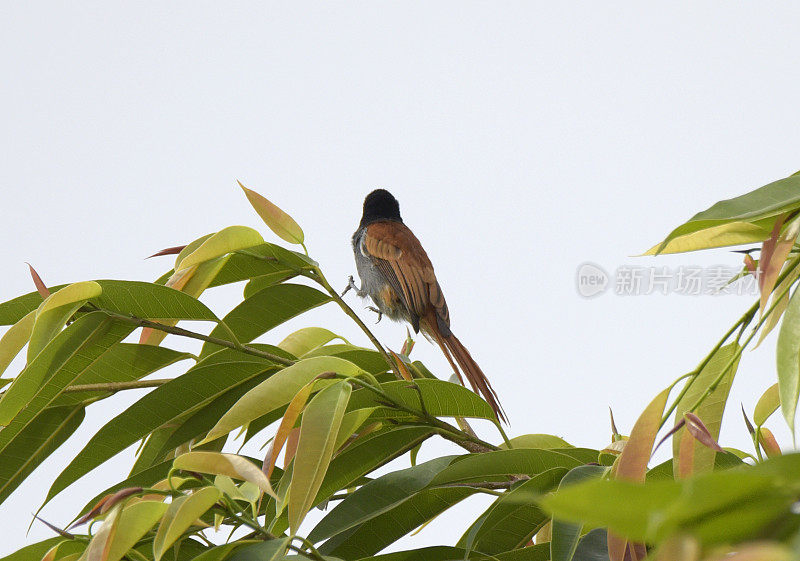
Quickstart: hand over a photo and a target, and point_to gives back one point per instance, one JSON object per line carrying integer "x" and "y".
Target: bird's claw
{"x": 377, "y": 311}
{"x": 351, "y": 284}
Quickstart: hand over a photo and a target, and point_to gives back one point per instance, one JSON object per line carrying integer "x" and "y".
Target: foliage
{"x": 339, "y": 412}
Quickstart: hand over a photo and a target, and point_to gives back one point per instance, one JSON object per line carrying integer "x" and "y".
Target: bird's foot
{"x": 351, "y": 284}
{"x": 377, "y": 311}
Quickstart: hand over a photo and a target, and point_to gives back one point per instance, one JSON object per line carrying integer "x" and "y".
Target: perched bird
{"x": 398, "y": 276}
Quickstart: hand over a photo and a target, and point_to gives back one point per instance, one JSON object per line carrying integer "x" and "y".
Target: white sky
{"x": 521, "y": 141}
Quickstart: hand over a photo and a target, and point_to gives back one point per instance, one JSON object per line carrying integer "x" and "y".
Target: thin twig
{"x": 116, "y": 386}
{"x": 247, "y": 349}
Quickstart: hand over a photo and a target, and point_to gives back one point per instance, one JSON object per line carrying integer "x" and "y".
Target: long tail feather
{"x": 453, "y": 349}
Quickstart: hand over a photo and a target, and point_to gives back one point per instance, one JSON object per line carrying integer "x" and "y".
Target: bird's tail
{"x": 453, "y": 349}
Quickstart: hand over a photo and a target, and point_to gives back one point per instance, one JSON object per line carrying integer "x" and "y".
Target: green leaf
{"x": 145, "y": 478}
{"x": 54, "y": 312}
{"x": 390, "y": 525}
{"x": 514, "y": 518}
{"x": 307, "y": 339}
{"x": 225, "y": 241}
{"x": 767, "y": 404}
{"x": 367, "y": 359}
{"x": 237, "y": 467}
{"x": 61, "y": 362}
{"x": 35, "y": 442}
{"x": 593, "y": 546}
{"x": 150, "y": 301}
{"x": 440, "y": 398}
{"x": 366, "y": 454}
{"x": 489, "y": 465}
{"x": 278, "y": 221}
{"x": 547, "y": 441}
{"x": 15, "y": 309}
{"x": 788, "y": 360}
{"x": 378, "y": 496}
{"x": 124, "y": 362}
{"x": 200, "y": 385}
{"x": 444, "y": 553}
{"x": 37, "y": 550}
{"x": 564, "y": 537}
{"x": 318, "y": 430}
{"x": 722, "y": 506}
{"x": 712, "y": 408}
{"x": 744, "y": 219}
{"x": 14, "y": 339}
{"x": 135, "y": 521}
{"x": 204, "y": 418}
{"x": 264, "y": 264}
{"x": 181, "y": 514}
{"x": 265, "y": 310}
{"x": 277, "y": 391}
{"x": 221, "y": 552}
{"x": 271, "y": 550}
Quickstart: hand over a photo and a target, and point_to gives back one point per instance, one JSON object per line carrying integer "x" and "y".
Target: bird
{"x": 398, "y": 276}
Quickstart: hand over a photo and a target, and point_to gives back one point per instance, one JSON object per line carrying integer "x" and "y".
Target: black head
{"x": 380, "y": 205}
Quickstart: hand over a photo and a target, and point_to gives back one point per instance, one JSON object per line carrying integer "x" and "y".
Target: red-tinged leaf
{"x": 168, "y": 251}
{"x": 767, "y": 441}
{"x": 408, "y": 344}
{"x": 672, "y": 431}
{"x": 632, "y": 463}
{"x": 780, "y": 244}
{"x": 106, "y": 503}
{"x": 401, "y": 367}
{"x": 747, "y": 423}
{"x": 291, "y": 446}
{"x": 56, "y": 529}
{"x": 685, "y": 461}
{"x": 750, "y": 264}
{"x": 41, "y": 288}
{"x": 278, "y": 221}
{"x": 288, "y": 422}
{"x": 699, "y": 431}
{"x": 620, "y": 549}
{"x": 614, "y": 430}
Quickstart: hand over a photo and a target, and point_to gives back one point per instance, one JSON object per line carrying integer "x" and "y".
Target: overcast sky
{"x": 522, "y": 140}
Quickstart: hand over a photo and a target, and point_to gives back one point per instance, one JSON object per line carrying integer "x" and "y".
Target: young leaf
{"x": 632, "y": 462}
{"x": 767, "y": 404}
{"x": 223, "y": 242}
{"x": 180, "y": 516}
{"x": 307, "y": 339}
{"x": 768, "y": 442}
{"x": 237, "y": 467}
{"x": 278, "y": 221}
{"x": 712, "y": 408}
{"x": 699, "y": 431}
{"x": 287, "y": 424}
{"x": 318, "y": 430}
{"x": 41, "y": 288}
{"x": 788, "y": 360}
{"x": 54, "y": 312}
{"x": 135, "y": 520}
{"x": 277, "y": 391}
{"x": 14, "y": 339}
{"x": 777, "y": 249}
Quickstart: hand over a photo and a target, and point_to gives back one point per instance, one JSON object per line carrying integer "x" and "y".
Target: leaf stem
{"x": 247, "y": 349}
{"x": 467, "y": 441}
{"x": 116, "y": 386}
{"x": 317, "y": 276}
